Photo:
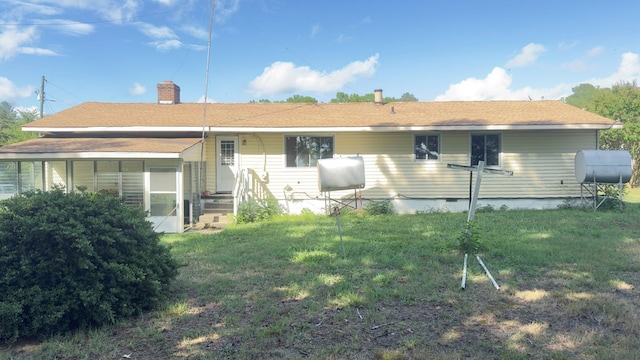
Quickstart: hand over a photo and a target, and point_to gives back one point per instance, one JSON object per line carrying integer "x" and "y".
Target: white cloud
{"x": 315, "y": 30}
{"x": 628, "y": 71}
{"x": 343, "y": 38}
{"x": 37, "y": 51}
{"x": 196, "y": 32}
{"x": 69, "y": 27}
{"x": 595, "y": 51}
{"x": 285, "y": 77}
{"x": 114, "y": 10}
{"x": 166, "y": 45}
{"x": 10, "y": 92}
{"x": 527, "y": 56}
{"x": 137, "y": 89}
{"x": 165, "y": 39}
{"x": 209, "y": 100}
{"x": 157, "y": 32}
{"x": 12, "y": 39}
{"x": 497, "y": 84}
{"x": 224, "y": 9}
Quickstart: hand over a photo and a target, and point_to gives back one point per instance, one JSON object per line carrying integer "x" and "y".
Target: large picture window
{"x": 427, "y": 147}
{"x": 485, "y": 147}
{"x": 304, "y": 151}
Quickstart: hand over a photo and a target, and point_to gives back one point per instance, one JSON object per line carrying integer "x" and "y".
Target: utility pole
{"x": 42, "y": 98}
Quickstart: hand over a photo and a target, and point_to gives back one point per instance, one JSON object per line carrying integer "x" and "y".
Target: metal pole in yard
{"x": 495, "y": 284}
{"x": 464, "y": 273}
{"x": 336, "y": 212}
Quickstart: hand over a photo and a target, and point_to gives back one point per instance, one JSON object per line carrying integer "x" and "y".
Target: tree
{"x": 342, "y": 97}
{"x": 621, "y": 102}
{"x": 408, "y": 97}
{"x": 11, "y": 122}
{"x": 583, "y": 97}
{"x": 301, "y": 99}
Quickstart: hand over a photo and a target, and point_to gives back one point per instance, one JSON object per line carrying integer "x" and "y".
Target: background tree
{"x": 11, "y": 122}
{"x": 408, "y": 97}
{"x": 301, "y": 99}
{"x": 621, "y": 102}
{"x": 583, "y": 97}
{"x": 342, "y": 97}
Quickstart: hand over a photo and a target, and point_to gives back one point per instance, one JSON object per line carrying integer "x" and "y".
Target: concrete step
{"x": 213, "y": 221}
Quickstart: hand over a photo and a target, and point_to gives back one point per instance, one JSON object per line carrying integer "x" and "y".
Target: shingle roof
{"x": 44, "y": 146}
{"x": 323, "y": 115}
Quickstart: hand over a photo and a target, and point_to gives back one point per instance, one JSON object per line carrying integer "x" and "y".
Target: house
{"x": 164, "y": 155}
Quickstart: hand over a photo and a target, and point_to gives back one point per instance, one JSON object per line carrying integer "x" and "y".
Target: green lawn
{"x": 632, "y": 195}
{"x": 569, "y": 288}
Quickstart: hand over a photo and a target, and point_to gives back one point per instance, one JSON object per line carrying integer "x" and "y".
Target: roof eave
{"x": 89, "y": 155}
{"x": 246, "y": 129}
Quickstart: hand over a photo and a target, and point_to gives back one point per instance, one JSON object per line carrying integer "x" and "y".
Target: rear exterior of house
{"x": 164, "y": 156}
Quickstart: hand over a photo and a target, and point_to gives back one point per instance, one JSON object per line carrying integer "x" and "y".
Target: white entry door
{"x": 226, "y": 163}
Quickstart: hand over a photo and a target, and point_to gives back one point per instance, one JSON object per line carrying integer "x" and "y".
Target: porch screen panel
{"x": 83, "y": 175}
{"x": 107, "y": 177}
{"x": 133, "y": 183}
{"x": 162, "y": 189}
{"x": 8, "y": 179}
{"x": 56, "y": 174}
{"x": 31, "y": 176}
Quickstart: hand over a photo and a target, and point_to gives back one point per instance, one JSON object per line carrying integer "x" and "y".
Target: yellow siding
{"x": 210, "y": 159}
{"x": 540, "y": 160}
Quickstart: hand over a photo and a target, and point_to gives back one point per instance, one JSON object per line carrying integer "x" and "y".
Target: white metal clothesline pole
{"x": 495, "y": 284}
{"x": 464, "y": 273}
{"x": 472, "y": 210}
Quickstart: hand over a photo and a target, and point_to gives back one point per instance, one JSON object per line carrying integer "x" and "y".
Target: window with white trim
{"x": 426, "y": 147}
{"x": 304, "y": 151}
{"x": 485, "y": 147}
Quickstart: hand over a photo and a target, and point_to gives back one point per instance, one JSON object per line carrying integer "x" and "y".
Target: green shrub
{"x": 256, "y": 210}
{"x": 76, "y": 260}
{"x": 384, "y": 207}
{"x": 469, "y": 240}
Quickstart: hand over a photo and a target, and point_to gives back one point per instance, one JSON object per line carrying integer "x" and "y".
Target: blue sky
{"x": 118, "y": 50}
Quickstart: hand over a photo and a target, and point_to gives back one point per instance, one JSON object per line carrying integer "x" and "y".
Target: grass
{"x": 568, "y": 279}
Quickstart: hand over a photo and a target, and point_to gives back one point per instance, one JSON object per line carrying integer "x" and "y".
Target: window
{"x": 427, "y": 147}
{"x": 304, "y": 151}
{"x": 485, "y": 147}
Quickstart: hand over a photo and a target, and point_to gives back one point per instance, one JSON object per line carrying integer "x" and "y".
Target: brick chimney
{"x": 168, "y": 93}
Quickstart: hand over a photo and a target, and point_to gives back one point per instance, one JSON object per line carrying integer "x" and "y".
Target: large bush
{"x": 76, "y": 260}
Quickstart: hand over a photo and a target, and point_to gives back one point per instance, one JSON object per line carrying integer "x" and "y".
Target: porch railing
{"x": 249, "y": 185}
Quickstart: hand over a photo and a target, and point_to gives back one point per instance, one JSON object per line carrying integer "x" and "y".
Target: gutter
{"x": 236, "y": 130}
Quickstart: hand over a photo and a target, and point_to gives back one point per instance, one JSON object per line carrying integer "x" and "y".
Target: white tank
{"x": 341, "y": 173}
{"x": 603, "y": 166}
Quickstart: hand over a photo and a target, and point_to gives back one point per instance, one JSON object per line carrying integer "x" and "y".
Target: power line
{"x": 65, "y": 91}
